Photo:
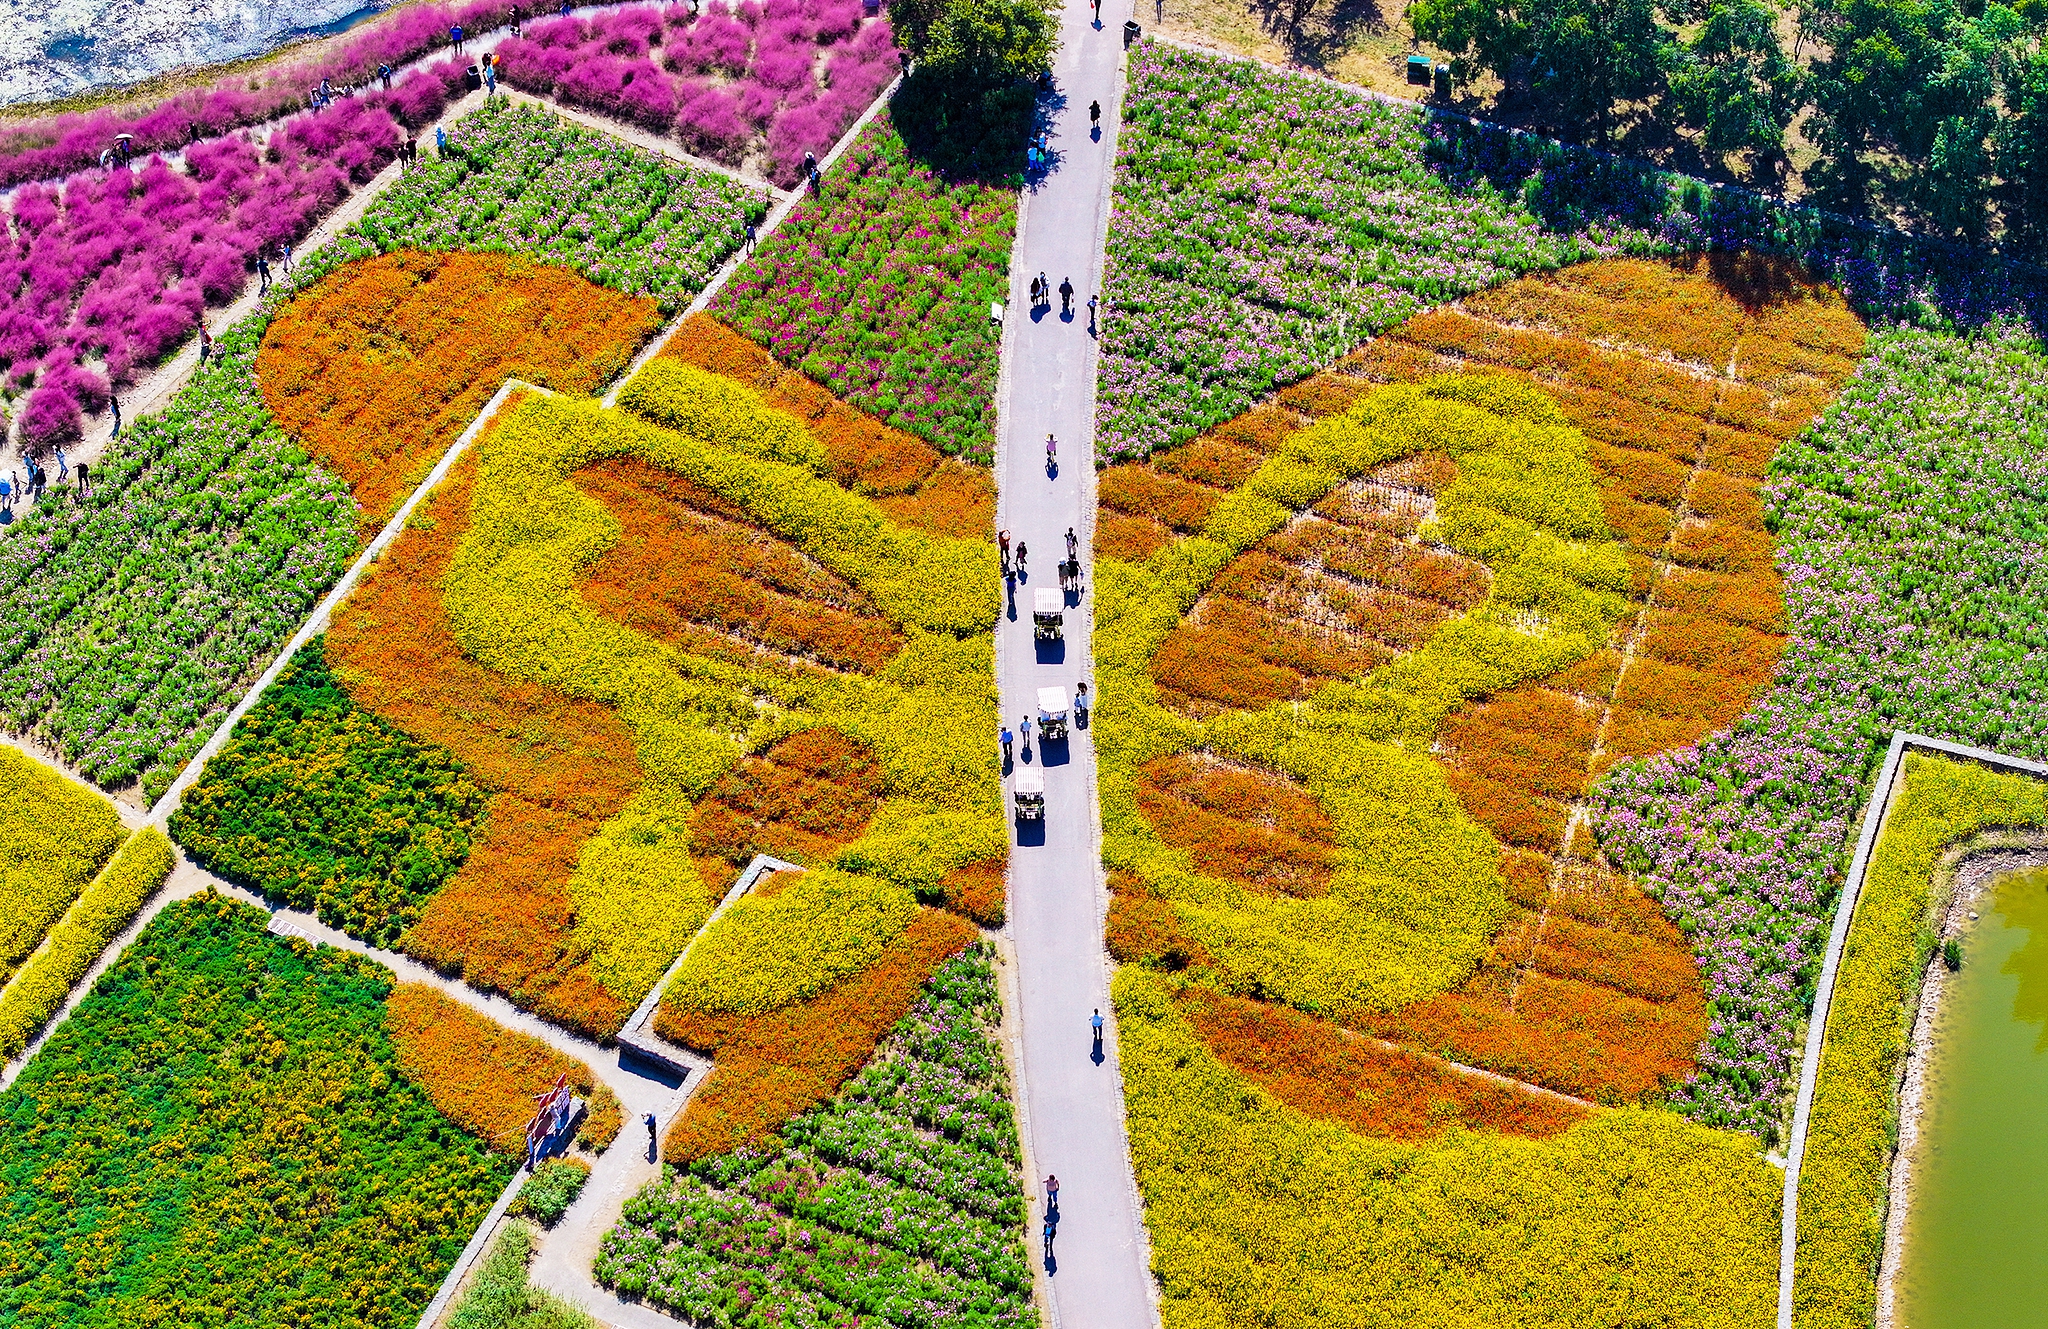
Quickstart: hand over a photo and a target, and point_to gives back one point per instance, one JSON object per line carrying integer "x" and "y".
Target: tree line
{"x": 1933, "y": 110}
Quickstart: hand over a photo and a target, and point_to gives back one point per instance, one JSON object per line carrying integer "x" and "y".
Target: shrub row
{"x": 1851, "y": 1132}
{"x": 53, "y": 837}
{"x": 100, "y": 913}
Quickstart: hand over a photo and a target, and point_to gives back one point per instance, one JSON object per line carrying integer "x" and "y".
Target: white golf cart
{"x": 1048, "y": 614}
{"x": 1052, "y": 713}
{"x": 1029, "y": 792}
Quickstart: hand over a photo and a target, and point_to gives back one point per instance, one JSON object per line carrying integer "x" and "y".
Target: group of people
{"x": 13, "y": 490}
{"x": 1008, "y": 739}
{"x": 1041, "y": 295}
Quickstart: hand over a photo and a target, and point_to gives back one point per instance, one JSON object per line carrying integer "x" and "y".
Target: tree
{"x": 2023, "y": 154}
{"x": 1733, "y": 81}
{"x": 1580, "y": 56}
{"x": 976, "y": 44}
{"x": 1919, "y": 81}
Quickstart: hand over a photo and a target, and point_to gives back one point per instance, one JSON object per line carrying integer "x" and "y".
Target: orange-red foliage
{"x": 1253, "y": 827}
{"x": 1330, "y": 1073}
{"x": 556, "y": 768}
{"x": 1146, "y": 930}
{"x": 771, "y": 1067}
{"x": 801, "y": 800}
{"x": 689, "y": 570}
{"x": 978, "y": 890}
{"x": 386, "y": 360}
{"x": 1145, "y": 491}
{"x": 484, "y": 1076}
{"x": 912, "y": 482}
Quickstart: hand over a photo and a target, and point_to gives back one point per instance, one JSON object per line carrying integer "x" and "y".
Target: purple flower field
{"x": 1915, "y": 575}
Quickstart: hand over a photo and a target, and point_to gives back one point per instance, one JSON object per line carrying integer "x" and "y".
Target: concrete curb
{"x": 1881, "y": 795}
{"x": 637, "y": 1034}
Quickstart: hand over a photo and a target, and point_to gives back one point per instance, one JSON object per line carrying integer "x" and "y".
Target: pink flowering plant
{"x": 49, "y": 146}
{"x": 730, "y": 81}
{"x": 879, "y": 288}
{"x": 1909, "y": 538}
{"x": 896, "y": 1204}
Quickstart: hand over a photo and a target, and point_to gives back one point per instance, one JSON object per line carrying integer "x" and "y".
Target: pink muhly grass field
{"x": 117, "y": 266}
{"x": 721, "y": 81}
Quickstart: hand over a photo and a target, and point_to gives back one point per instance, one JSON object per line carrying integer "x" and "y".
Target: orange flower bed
{"x": 384, "y": 362}
{"x": 688, "y": 571}
{"x": 801, "y": 800}
{"x": 913, "y": 483}
{"x": 1211, "y": 461}
{"x": 484, "y": 1076}
{"x": 771, "y": 1067}
{"x": 1252, "y": 827}
{"x": 1132, "y": 539}
{"x": 556, "y": 769}
{"x": 1147, "y": 492}
{"x": 979, "y": 891}
{"x": 1329, "y": 1073}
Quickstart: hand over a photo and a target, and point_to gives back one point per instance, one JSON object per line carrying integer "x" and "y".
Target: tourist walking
{"x": 1095, "y": 1025}
{"x": 1052, "y": 452}
{"x": 1066, "y": 296}
{"x": 262, "y": 274}
{"x": 1051, "y": 1227}
{"x": 1073, "y": 543}
{"x": 455, "y": 38}
{"x": 1091, "y": 314}
{"x": 114, "y": 402}
{"x": 1007, "y": 739}
{"x": 1021, "y": 552}
{"x": 63, "y": 467}
{"x": 205, "y": 344}
{"x": 1081, "y": 701}
{"x": 1052, "y": 1193}
{"x": 82, "y": 486}
{"x": 384, "y": 73}
{"x": 1024, "y": 728}
{"x": 1095, "y": 110}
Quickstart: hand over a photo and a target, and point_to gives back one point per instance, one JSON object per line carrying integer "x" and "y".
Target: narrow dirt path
{"x": 1071, "y": 1096}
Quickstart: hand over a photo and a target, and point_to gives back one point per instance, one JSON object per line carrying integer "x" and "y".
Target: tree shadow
{"x": 972, "y": 136}
{"x": 1313, "y": 33}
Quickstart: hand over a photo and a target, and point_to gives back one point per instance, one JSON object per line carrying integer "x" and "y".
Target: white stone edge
{"x": 1882, "y": 791}
{"x": 761, "y": 865}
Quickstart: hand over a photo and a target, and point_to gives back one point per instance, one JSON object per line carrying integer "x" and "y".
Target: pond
{"x": 1976, "y": 1240}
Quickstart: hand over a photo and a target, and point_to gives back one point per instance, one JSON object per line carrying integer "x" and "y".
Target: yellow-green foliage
{"x": 512, "y": 603}
{"x": 1849, "y": 1139}
{"x": 1260, "y": 1215}
{"x": 1417, "y": 891}
{"x": 716, "y": 409}
{"x": 54, "y": 834}
{"x": 767, "y": 951}
{"x": 113, "y": 898}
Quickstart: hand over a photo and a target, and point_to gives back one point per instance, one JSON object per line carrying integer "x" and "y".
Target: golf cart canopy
{"x": 1046, "y": 600}
{"x": 1052, "y": 703}
{"x": 1031, "y": 781}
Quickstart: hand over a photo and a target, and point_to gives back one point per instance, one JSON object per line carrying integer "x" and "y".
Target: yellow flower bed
{"x": 1416, "y": 891}
{"x": 512, "y": 604}
{"x": 1629, "y": 1218}
{"x": 54, "y": 834}
{"x": 113, "y": 898}
{"x": 716, "y": 409}
{"x": 1851, "y": 1130}
{"x": 770, "y": 950}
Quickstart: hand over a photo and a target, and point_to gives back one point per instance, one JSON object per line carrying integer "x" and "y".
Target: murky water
{"x": 54, "y": 48}
{"x": 1976, "y": 1251}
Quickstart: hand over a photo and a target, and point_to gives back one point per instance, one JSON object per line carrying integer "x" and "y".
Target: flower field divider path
{"x": 1882, "y": 791}
{"x": 1070, "y": 1101}
{"x": 784, "y": 205}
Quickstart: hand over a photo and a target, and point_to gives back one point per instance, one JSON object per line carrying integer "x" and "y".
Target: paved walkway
{"x": 1072, "y": 1100}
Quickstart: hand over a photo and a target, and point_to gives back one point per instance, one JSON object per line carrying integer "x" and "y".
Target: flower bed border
{"x": 1883, "y": 791}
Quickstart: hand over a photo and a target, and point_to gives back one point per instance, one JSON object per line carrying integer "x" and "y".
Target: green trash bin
{"x": 1418, "y": 70}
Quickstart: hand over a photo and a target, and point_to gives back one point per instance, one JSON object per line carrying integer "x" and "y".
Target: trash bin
{"x": 1418, "y": 70}
{"x": 1443, "y": 80}
{"x": 871, "y": 7}
{"x": 1131, "y": 31}
{"x": 471, "y": 79}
